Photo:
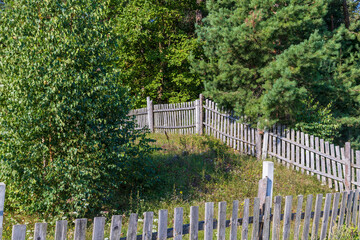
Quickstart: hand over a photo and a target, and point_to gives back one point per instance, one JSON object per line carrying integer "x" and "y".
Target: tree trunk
{"x": 346, "y": 14}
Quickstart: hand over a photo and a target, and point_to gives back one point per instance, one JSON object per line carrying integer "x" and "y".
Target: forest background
{"x": 70, "y": 71}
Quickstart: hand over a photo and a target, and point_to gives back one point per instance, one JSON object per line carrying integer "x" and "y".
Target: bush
{"x": 66, "y": 142}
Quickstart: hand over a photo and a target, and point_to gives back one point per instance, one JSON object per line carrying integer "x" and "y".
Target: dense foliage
{"x": 156, "y": 40}
{"x": 66, "y": 143}
{"x": 265, "y": 59}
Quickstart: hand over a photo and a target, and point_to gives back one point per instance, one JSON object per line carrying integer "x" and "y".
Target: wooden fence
{"x": 333, "y": 165}
{"x": 310, "y": 218}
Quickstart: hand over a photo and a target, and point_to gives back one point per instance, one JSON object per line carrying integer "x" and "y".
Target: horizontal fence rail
{"x": 337, "y": 167}
{"x": 313, "y": 217}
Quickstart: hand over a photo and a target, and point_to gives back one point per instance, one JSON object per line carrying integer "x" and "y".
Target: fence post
{"x": 265, "y": 145}
{"x": 258, "y": 142}
{"x": 347, "y": 166}
{"x": 150, "y": 114}
{"x": 201, "y": 114}
{"x": 2, "y": 201}
{"x": 198, "y": 116}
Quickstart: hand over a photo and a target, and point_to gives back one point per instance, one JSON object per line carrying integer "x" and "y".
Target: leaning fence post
{"x": 2, "y": 201}
{"x": 150, "y": 114}
{"x": 347, "y": 166}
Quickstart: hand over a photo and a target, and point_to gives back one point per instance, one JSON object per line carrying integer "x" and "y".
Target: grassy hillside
{"x": 192, "y": 170}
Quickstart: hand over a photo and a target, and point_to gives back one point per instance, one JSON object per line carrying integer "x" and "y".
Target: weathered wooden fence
{"x": 288, "y": 218}
{"x": 338, "y": 167}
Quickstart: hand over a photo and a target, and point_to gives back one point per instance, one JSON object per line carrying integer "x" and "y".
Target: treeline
{"x": 294, "y": 62}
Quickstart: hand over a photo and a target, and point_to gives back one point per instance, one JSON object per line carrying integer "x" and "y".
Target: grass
{"x": 192, "y": 170}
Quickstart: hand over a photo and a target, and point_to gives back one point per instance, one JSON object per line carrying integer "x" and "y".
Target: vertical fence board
{"x": 266, "y": 230}
{"x": 80, "y": 229}
{"x": 40, "y": 231}
{"x": 276, "y": 218}
{"x": 178, "y": 223}
{"x": 334, "y": 167}
{"x": 302, "y": 152}
{"x": 245, "y": 223}
{"x": 355, "y": 207}
{"x": 325, "y": 219}
{"x": 194, "y": 225}
{"x": 234, "y": 220}
{"x": 334, "y": 214}
{"x": 308, "y": 208}
{"x": 132, "y": 228}
{"x": 18, "y": 232}
{"x": 316, "y": 221}
{"x": 287, "y": 217}
{"x": 307, "y": 153}
{"x": 61, "y": 230}
{"x": 162, "y": 225}
{"x": 2, "y": 203}
{"x": 116, "y": 224}
{"x": 293, "y": 148}
{"x": 221, "y": 221}
{"x": 312, "y": 156}
{"x": 298, "y": 217}
{"x": 343, "y": 208}
{"x": 98, "y": 228}
{"x": 317, "y": 158}
{"x": 255, "y": 232}
{"x": 328, "y": 163}
{"x": 349, "y": 206}
{"x": 209, "y": 216}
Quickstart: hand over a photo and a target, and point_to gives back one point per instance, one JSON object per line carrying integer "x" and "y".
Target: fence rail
{"x": 338, "y": 167}
{"x": 296, "y": 219}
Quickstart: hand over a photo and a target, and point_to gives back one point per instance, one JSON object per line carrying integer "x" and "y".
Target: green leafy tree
{"x": 156, "y": 40}
{"x": 66, "y": 143}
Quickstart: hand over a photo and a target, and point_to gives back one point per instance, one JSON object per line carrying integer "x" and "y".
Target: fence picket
{"x": 115, "y": 227}
{"x": 266, "y": 230}
{"x": 355, "y": 207}
{"x": 40, "y": 231}
{"x": 18, "y": 232}
{"x": 245, "y": 223}
{"x": 99, "y": 227}
{"x": 178, "y": 223}
{"x": 315, "y": 227}
{"x": 307, "y": 216}
{"x": 132, "y": 228}
{"x": 298, "y": 217}
{"x": 343, "y": 207}
{"x": 255, "y": 232}
{"x": 276, "y": 218}
{"x": 287, "y": 217}
{"x": 61, "y": 230}
{"x": 325, "y": 219}
{"x": 334, "y": 214}
{"x": 80, "y": 229}
{"x": 349, "y": 208}
{"x": 234, "y": 220}
{"x": 209, "y": 216}
{"x": 162, "y": 225}
{"x": 194, "y": 222}
{"x": 221, "y": 221}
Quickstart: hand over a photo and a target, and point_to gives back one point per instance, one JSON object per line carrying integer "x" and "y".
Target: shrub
{"x": 66, "y": 143}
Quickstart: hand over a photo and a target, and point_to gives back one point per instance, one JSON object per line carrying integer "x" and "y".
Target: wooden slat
{"x": 316, "y": 221}
{"x": 288, "y": 152}
{"x": 61, "y": 230}
{"x": 326, "y": 214}
{"x": 357, "y": 157}
{"x": 245, "y": 223}
{"x": 339, "y": 166}
{"x": 343, "y": 208}
{"x": 115, "y": 227}
{"x": 334, "y": 167}
{"x": 355, "y": 207}
{"x": 18, "y": 232}
{"x": 297, "y": 149}
{"x": 278, "y": 141}
{"x": 40, "y": 231}
{"x": 194, "y": 225}
{"x": 287, "y": 217}
{"x": 302, "y": 152}
{"x": 307, "y": 153}
{"x": 99, "y": 227}
{"x": 209, "y": 216}
{"x": 255, "y": 232}
{"x": 307, "y": 217}
{"x": 178, "y": 223}
{"x": 292, "y": 148}
{"x": 312, "y": 155}
{"x": 221, "y": 221}
{"x": 276, "y": 218}
{"x": 349, "y": 206}
{"x": 266, "y": 230}
{"x": 328, "y": 163}
{"x": 334, "y": 214}
{"x": 80, "y": 229}
{"x": 162, "y": 225}
{"x": 234, "y": 220}
{"x": 298, "y": 217}
{"x": 132, "y": 228}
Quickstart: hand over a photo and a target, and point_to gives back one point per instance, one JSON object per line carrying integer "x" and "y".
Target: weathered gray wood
{"x": 302, "y": 152}
{"x": 334, "y": 167}
{"x": 209, "y": 216}
{"x": 326, "y": 214}
{"x": 40, "y": 231}
{"x": 116, "y": 224}
{"x": 334, "y": 214}
{"x": 245, "y": 223}
{"x": 343, "y": 208}
{"x": 298, "y": 217}
{"x": 278, "y": 141}
{"x": 194, "y": 222}
{"x": 132, "y": 228}
{"x": 98, "y": 228}
{"x": 297, "y": 149}
{"x": 242, "y": 138}
{"x": 61, "y": 230}
{"x": 328, "y": 163}
{"x": 162, "y": 225}
{"x": 178, "y": 223}
{"x": 340, "y": 168}
{"x": 292, "y": 148}
{"x": 347, "y": 166}
{"x": 221, "y": 221}
{"x": 201, "y": 117}
{"x": 80, "y": 229}
{"x": 252, "y": 131}
{"x": 198, "y": 123}
{"x": 315, "y": 226}
{"x": 307, "y": 217}
{"x": 288, "y": 155}
{"x": 147, "y": 227}
{"x": 357, "y": 157}
{"x": 312, "y": 155}
{"x": 349, "y": 206}
{"x": 317, "y": 158}
{"x": 150, "y": 114}
{"x": 323, "y": 164}
{"x": 2, "y": 202}
{"x": 307, "y": 153}
{"x": 263, "y": 186}
{"x": 234, "y": 220}
{"x": 265, "y": 144}
{"x": 255, "y": 232}
{"x": 266, "y": 229}
{"x": 276, "y": 218}
{"x": 258, "y": 140}
{"x": 355, "y": 207}
{"x": 287, "y": 217}
{"x": 18, "y": 232}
